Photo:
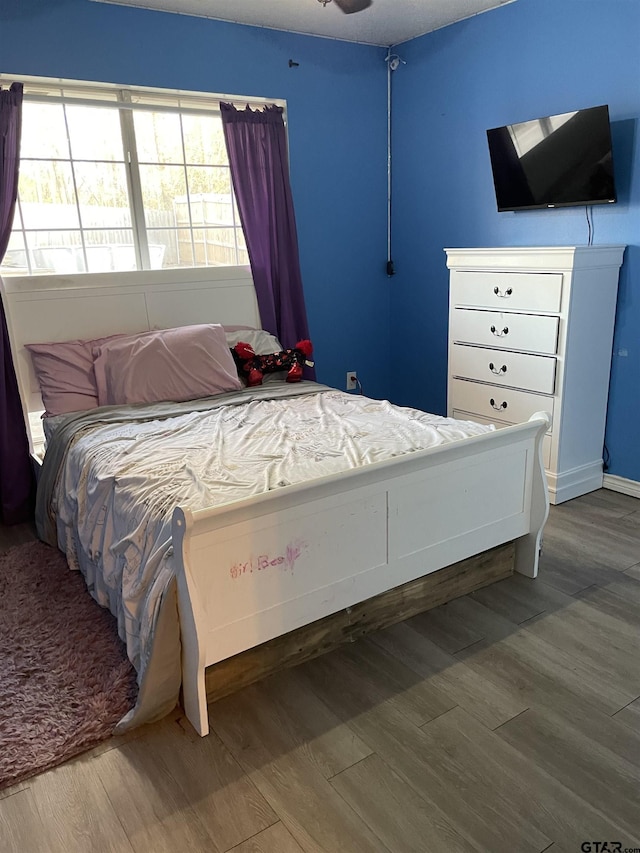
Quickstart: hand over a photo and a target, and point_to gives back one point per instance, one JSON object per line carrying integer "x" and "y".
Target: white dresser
{"x": 531, "y": 329}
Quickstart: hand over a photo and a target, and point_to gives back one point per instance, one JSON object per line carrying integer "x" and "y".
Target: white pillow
{"x": 263, "y": 343}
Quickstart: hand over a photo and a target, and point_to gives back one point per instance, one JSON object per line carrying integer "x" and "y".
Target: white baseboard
{"x": 571, "y": 484}
{"x": 620, "y": 484}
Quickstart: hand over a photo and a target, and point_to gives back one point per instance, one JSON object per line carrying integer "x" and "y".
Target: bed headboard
{"x": 60, "y": 308}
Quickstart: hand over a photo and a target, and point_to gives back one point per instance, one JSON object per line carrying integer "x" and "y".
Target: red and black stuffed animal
{"x": 253, "y": 366}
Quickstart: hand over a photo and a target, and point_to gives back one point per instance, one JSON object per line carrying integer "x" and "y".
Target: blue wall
{"x": 528, "y": 59}
{"x": 531, "y": 58}
{"x": 337, "y": 134}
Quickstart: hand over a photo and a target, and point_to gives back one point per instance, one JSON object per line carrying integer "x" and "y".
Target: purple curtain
{"x": 257, "y": 148}
{"x": 16, "y": 478}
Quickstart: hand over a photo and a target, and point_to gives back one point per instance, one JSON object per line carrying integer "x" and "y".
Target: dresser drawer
{"x": 507, "y": 291}
{"x": 515, "y": 369}
{"x": 532, "y": 332}
{"x": 491, "y": 402}
{"x": 469, "y": 416}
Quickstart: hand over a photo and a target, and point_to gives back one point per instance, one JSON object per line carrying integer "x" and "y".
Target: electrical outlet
{"x": 352, "y": 380}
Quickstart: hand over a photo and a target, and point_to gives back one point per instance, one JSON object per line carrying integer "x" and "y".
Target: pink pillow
{"x": 171, "y": 364}
{"x": 64, "y": 371}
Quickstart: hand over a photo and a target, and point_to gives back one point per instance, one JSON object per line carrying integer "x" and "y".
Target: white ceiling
{"x": 385, "y": 22}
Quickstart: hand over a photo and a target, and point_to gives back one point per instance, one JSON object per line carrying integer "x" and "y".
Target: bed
{"x": 266, "y": 573}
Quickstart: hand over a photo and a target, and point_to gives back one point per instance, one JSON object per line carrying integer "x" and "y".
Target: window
{"x": 114, "y": 178}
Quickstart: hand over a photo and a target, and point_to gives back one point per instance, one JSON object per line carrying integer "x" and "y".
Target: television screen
{"x": 556, "y": 161}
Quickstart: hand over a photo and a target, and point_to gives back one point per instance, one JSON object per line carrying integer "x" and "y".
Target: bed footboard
{"x": 353, "y": 623}
{"x": 263, "y": 567}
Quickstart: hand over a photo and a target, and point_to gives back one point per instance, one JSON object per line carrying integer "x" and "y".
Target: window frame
{"x": 127, "y": 99}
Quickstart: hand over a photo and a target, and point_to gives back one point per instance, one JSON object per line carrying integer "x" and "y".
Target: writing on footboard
{"x": 273, "y": 572}
{"x": 260, "y": 562}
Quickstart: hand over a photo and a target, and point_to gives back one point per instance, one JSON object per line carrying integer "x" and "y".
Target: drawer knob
{"x": 498, "y": 334}
{"x": 497, "y": 407}
{"x": 503, "y": 294}
{"x": 497, "y": 371}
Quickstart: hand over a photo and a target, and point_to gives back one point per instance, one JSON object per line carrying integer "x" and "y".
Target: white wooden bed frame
{"x": 262, "y": 567}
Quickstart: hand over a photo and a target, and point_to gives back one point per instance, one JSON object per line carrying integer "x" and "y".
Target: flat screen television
{"x": 556, "y": 161}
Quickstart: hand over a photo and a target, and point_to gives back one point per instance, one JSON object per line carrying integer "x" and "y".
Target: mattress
{"x": 112, "y": 477}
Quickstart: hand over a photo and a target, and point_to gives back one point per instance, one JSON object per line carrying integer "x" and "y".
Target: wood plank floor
{"x": 507, "y": 721}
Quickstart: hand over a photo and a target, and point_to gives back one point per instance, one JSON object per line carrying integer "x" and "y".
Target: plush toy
{"x": 255, "y": 366}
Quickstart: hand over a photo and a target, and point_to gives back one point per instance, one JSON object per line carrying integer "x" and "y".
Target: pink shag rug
{"x": 65, "y": 680}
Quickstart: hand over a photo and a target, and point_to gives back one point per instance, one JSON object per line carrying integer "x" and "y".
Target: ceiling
{"x": 384, "y": 23}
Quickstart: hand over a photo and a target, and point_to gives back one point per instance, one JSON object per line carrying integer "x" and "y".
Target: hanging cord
{"x": 589, "y": 215}
{"x": 393, "y": 63}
